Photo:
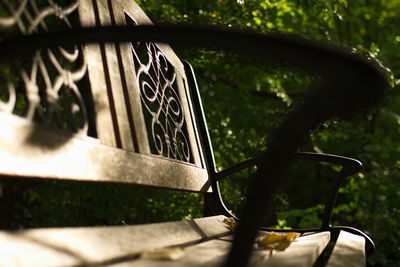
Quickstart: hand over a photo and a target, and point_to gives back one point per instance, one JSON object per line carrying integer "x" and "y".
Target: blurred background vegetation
{"x": 243, "y": 101}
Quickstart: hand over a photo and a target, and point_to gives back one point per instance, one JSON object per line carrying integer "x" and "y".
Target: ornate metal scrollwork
{"x": 161, "y": 102}
{"x": 45, "y": 88}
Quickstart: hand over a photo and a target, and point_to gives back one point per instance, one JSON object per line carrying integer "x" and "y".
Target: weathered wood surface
{"x": 92, "y": 245}
{"x": 302, "y": 252}
{"x": 109, "y": 66}
{"x": 29, "y": 150}
{"x": 349, "y": 251}
{"x": 97, "y": 77}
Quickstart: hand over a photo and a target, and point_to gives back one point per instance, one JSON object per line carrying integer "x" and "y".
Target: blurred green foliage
{"x": 243, "y": 101}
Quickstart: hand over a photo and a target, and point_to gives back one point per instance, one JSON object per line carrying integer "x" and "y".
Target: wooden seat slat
{"x": 301, "y": 253}
{"x": 349, "y": 251}
{"x": 90, "y": 245}
{"x": 117, "y": 93}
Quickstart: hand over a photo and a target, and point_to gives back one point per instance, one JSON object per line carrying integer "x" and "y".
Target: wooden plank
{"x": 30, "y": 150}
{"x": 303, "y": 252}
{"x": 92, "y": 53}
{"x": 349, "y": 251}
{"x": 82, "y": 246}
{"x": 133, "y": 91}
{"x": 116, "y": 84}
{"x": 134, "y": 98}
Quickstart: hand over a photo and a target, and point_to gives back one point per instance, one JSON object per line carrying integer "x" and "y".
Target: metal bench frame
{"x": 349, "y": 83}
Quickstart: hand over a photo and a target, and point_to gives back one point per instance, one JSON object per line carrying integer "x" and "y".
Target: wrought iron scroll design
{"x": 161, "y": 103}
{"x": 43, "y": 88}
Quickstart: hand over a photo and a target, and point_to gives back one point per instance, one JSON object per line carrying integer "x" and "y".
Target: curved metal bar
{"x": 348, "y": 83}
{"x": 316, "y": 57}
{"x": 237, "y": 167}
{"x": 351, "y": 165}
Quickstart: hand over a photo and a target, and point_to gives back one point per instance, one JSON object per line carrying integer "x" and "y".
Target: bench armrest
{"x": 350, "y": 166}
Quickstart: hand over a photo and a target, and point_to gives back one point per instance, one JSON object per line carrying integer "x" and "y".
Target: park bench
{"x": 135, "y": 117}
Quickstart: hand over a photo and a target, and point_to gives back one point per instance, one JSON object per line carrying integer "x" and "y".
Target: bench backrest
{"x": 102, "y": 112}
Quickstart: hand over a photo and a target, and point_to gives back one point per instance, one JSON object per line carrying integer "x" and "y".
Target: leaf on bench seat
{"x": 230, "y": 223}
{"x": 171, "y": 254}
{"x": 276, "y": 241}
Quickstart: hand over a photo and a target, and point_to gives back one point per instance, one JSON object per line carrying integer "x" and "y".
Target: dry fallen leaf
{"x": 277, "y": 241}
{"x": 171, "y": 254}
{"x": 230, "y": 223}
